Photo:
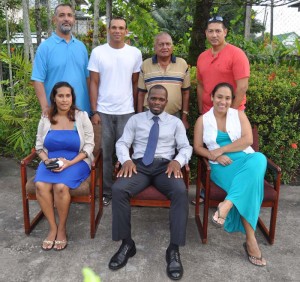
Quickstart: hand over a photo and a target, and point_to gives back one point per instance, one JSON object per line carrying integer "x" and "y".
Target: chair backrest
{"x": 97, "y": 138}
{"x": 255, "y": 144}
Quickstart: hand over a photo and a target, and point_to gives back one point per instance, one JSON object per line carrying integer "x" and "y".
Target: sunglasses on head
{"x": 216, "y": 19}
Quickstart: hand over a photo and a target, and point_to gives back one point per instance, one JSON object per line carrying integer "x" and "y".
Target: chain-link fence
{"x": 281, "y": 21}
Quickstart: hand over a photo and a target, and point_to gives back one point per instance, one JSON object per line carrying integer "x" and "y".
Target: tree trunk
{"x": 8, "y": 51}
{"x": 272, "y": 21}
{"x": 73, "y": 3}
{"x": 49, "y": 18}
{"x": 38, "y": 23}
{"x": 108, "y": 16}
{"x": 96, "y": 24}
{"x": 201, "y": 16}
{"x": 248, "y": 21}
{"x": 28, "y": 47}
{"x": 1, "y": 78}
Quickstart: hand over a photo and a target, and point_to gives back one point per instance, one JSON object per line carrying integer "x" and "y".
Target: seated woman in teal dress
{"x": 235, "y": 167}
{"x": 65, "y": 135}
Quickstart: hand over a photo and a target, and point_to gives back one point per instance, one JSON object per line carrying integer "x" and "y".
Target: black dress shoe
{"x": 174, "y": 267}
{"x": 121, "y": 257}
{"x": 106, "y": 200}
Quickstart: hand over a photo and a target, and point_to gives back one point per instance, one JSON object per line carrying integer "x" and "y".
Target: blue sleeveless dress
{"x": 64, "y": 144}
{"x": 243, "y": 181}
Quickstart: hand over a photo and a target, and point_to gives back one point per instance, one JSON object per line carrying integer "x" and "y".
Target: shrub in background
{"x": 193, "y": 115}
{"x": 273, "y": 104}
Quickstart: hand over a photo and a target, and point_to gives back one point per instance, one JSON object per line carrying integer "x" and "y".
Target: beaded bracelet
{"x": 39, "y": 151}
{"x": 84, "y": 152}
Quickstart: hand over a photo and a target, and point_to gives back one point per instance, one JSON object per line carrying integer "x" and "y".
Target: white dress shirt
{"x": 172, "y": 135}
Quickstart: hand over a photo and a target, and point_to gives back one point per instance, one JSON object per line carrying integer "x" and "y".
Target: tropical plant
{"x": 19, "y": 108}
{"x": 265, "y": 51}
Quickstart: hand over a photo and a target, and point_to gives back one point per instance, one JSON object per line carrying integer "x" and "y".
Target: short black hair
{"x": 117, "y": 18}
{"x": 216, "y": 19}
{"x": 158, "y": 87}
{"x": 220, "y": 85}
{"x": 63, "y": 5}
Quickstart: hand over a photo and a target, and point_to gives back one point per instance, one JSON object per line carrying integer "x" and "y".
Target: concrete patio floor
{"x": 222, "y": 259}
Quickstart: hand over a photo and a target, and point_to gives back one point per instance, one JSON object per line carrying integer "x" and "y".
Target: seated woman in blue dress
{"x": 235, "y": 167}
{"x": 65, "y": 135}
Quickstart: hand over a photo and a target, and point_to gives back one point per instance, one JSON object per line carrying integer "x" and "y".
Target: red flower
{"x": 272, "y": 76}
{"x": 294, "y": 146}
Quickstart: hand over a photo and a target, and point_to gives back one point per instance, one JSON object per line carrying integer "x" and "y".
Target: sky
{"x": 286, "y": 19}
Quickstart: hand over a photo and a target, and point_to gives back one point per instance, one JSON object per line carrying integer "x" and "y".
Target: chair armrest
{"x": 117, "y": 168}
{"x": 186, "y": 175}
{"x": 186, "y": 168}
{"x": 97, "y": 159}
{"x": 28, "y": 159}
{"x": 273, "y": 167}
{"x": 203, "y": 171}
{"x": 276, "y": 173}
{"x": 24, "y": 163}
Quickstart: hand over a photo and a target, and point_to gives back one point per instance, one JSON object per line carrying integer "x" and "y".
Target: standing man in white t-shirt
{"x": 114, "y": 70}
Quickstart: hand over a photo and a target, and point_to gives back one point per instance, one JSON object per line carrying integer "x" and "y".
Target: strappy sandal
{"x": 219, "y": 216}
{"x": 62, "y": 244}
{"x": 49, "y": 245}
{"x": 254, "y": 260}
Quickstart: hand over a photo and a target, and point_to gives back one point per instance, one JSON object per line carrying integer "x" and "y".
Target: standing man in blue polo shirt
{"x": 61, "y": 58}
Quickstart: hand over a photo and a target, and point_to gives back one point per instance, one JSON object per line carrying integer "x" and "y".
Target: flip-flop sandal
{"x": 63, "y": 244}
{"x": 50, "y": 245}
{"x": 254, "y": 260}
{"x": 219, "y": 216}
{"x": 201, "y": 201}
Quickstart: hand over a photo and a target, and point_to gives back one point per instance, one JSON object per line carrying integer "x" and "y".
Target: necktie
{"x": 152, "y": 142}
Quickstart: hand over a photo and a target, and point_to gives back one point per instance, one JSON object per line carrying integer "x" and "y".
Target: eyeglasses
{"x": 216, "y": 19}
{"x": 168, "y": 44}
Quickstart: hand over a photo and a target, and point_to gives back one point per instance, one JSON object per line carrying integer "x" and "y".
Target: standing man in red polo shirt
{"x": 223, "y": 62}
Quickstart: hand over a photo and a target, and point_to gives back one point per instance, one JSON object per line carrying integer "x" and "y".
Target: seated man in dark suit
{"x": 154, "y": 136}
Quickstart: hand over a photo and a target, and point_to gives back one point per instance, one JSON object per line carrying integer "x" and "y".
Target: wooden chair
{"x": 151, "y": 197}
{"x": 214, "y": 195}
{"x": 85, "y": 193}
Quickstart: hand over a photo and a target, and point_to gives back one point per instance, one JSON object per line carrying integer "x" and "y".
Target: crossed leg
{"x": 222, "y": 211}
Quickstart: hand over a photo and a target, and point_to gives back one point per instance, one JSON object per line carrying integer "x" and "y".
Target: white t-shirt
{"x": 115, "y": 67}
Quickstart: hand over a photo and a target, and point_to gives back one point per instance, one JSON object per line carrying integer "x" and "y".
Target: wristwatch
{"x": 94, "y": 113}
{"x": 185, "y": 112}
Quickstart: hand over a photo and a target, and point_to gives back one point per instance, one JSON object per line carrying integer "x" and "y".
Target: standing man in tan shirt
{"x": 170, "y": 71}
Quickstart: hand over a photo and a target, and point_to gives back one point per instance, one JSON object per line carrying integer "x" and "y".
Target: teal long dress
{"x": 243, "y": 181}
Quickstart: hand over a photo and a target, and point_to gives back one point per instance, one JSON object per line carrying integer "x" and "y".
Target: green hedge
{"x": 274, "y": 105}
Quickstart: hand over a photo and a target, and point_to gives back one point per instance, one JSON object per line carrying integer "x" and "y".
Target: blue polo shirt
{"x": 56, "y": 60}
